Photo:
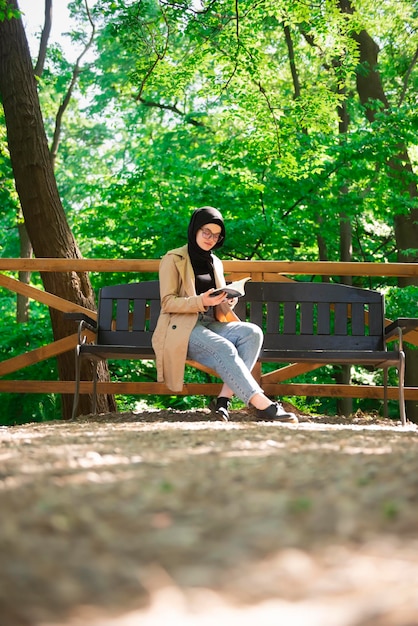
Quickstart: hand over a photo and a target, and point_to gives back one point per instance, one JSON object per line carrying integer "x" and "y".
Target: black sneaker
{"x": 219, "y": 407}
{"x": 277, "y": 413}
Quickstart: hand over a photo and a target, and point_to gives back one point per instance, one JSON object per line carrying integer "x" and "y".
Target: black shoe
{"x": 277, "y": 413}
{"x": 219, "y": 407}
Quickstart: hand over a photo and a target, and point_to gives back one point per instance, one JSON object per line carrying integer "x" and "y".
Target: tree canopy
{"x": 239, "y": 105}
{"x": 298, "y": 120}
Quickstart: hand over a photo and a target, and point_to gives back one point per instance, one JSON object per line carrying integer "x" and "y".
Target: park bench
{"x": 303, "y": 322}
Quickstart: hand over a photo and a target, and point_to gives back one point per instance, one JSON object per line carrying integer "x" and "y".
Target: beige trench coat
{"x": 180, "y": 307}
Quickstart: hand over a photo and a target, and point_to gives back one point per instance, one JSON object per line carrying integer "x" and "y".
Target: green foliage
{"x": 8, "y": 11}
{"x": 21, "y": 408}
{"x": 8, "y": 199}
{"x": 17, "y": 339}
{"x": 188, "y": 107}
{"x": 182, "y": 104}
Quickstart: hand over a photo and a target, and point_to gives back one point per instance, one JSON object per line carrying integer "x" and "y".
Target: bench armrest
{"x": 399, "y": 328}
{"x": 84, "y": 323}
{"x": 405, "y": 324}
{"x": 89, "y": 322}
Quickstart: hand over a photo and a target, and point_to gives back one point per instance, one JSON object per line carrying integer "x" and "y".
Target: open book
{"x": 233, "y": 290}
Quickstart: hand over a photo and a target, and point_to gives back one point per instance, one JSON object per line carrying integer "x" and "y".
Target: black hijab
{"x": 202, "y": 261}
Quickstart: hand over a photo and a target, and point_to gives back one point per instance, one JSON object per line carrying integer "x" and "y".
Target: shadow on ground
{"x": 172, "y": 518}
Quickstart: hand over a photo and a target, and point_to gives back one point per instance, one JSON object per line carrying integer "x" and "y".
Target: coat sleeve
{"x": 176, "y": 297}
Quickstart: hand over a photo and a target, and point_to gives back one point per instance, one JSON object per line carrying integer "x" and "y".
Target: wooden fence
{"x": 269, "y": 271}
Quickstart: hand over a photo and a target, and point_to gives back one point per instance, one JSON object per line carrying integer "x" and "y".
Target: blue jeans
{"x": 231, "y": 349}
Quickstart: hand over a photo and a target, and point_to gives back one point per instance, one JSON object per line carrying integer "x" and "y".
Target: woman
{"x": 188, "y": 329}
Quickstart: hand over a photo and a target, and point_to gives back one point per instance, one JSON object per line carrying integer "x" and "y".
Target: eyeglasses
{"x": 208, "y": 234}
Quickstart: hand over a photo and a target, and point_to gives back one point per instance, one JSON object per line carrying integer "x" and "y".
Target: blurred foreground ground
{"x": 170, "y": 518}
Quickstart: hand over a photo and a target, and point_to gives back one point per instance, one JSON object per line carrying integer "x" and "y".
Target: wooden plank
{"x": 39, "y": 354}
{"x": 207, "y": 389}
{"x": 136, "y": 388}
{"x": 289, "y": 371}
{"x": 247, "y": 267}
{"x": 337, "y": 391}
{"x": 258, "y": 276}
{"x": 341, "y": 318}
{"x": 322, "y": 268}
{"x": 289, "y": 313}
{"x": 306, "y": 318}
{"x": 80, "y": 265}
{"x": 269, "y": 277}
{"x": 44, "y": 296}
{"x": 324, "y": 318}
{"x": 410, "y": 336}
{"x": 201, "y": 367}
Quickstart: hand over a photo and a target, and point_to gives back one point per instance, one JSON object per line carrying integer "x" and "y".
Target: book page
{"x": 235, "y": 289}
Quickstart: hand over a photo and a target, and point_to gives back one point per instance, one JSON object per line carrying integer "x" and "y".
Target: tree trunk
{"x": 44, "y": 215}
{"x": 406, "y": 226}
{"x": 345, "y": 405}
{"x": 370, "y": 88}
{"x": 22, "y": 309}
{"x": 26, "y": 252}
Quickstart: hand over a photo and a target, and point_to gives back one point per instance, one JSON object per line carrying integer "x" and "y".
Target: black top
{"x": 202, "y": 260}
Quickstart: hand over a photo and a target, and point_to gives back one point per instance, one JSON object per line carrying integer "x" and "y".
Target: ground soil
{"x": 172, "y": 518}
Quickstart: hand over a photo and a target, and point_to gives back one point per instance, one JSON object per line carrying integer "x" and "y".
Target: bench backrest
{"x": 128, "y": 314}
{"x": 315, "y": 316}
{"x": 293, "y": 316}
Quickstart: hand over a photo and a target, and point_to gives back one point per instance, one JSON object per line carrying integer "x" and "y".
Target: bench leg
{"x": 95, "y": 387}
{"x": 385, "y": 392}
{"x": 77, "y": 382}
{"x": 401, "y": 375}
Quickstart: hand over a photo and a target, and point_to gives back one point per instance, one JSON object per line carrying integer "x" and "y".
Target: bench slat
{"x": 310, "y": 292}
{"x": 256, "y": 313}
{"x": 118, "y": 352}
{"x": 320, "y": 342}
{"x": 341, "y": 318}
{"x": 138, "y": 315}
{"x": 105, "y": 314}
{"x": 126, "y": 338}
{"x": 307, "y": 318}
{"x": 376, "y": 318}
{"x": 324, "y": 318}
{"x": 273, "y": 317}
{"x": 355, "y": 357}
{"x": 357, "y": 319}
{"x": 122, "y": 314}
{"x": 289, "y": 312}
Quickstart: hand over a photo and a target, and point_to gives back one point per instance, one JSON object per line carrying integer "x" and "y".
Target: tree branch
{"x": 406, "y": 77}
{"x": 67, "y": 98}
{"x": 170, "y": 107}
{"x": 159, "y": 56}
{"x": 271, "y": 109}
{"x": 46, "y": 30}
{"x": 189, "y": 9}
{"x": 237, "y": 19}
{"x": 291, "y": 54}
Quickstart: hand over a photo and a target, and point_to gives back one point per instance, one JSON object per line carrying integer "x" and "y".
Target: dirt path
{"x": 170, "y": 518}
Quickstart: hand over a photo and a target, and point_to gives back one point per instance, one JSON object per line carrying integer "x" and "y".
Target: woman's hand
{"x": 214, "y": 300}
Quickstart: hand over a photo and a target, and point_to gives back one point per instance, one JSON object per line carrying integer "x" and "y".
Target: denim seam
{"x": 245, "y": 397}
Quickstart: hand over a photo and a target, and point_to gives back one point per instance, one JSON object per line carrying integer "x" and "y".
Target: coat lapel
{"x": 185, "y": 270}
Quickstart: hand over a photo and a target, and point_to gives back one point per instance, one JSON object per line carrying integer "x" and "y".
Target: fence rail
{"x": 275, "y": 268}
{"x": 268, "y": 271}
